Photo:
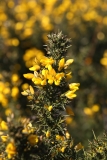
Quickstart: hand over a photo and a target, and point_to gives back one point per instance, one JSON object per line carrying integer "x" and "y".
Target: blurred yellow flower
{"x": 25, "y": 86}
{"x": 3, "y": 125}
{"x": 3, "y": 16}
{"x": 27, "y": 32}
{"x": 95, "y": 108}
{"x": 49, "y": 108}
{"x": 33, "y": 139}
{"x": 4, "y": 138}
{"x": 103, "y": 61}
{"x": 100, "y": 35}
{"x": 8, "y": 112}
{"x": 19, "y": 25}
{"x": 68, "y": 120}
{"x": 68, "y": 75}
{"x": 11, "y": 150}
{"x": 59, "y": 138}
{"x": 10, "y": 4}
{"x": 67, "y": 135}
{"x": 6, "y": 91}
{"x": 15, "y": 78}
{"x": 78, "y": 147}
{"x": 15, "y": 92}
{"x": 48, "y": 134}
{"x": 15, "y": 42}
{"x": 88, "y": 111}
{"x": 62, "y": 149}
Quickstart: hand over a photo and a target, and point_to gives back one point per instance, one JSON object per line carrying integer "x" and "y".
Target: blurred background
{"x": 24, "y": 25}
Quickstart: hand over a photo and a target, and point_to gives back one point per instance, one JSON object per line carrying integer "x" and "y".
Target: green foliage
{"x": 97, "y": 148}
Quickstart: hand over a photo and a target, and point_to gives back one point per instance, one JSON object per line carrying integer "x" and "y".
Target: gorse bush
{"x": 24, "y": 26}
{"x": 44, "y": 135}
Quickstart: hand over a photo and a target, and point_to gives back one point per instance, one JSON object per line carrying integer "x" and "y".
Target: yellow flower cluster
{"x": 28, "y": 128}
{"x": 10, "y": 148}
{"x": 63, "y": 142}
{"x": 4, "y": 92}
{"x": 8, "y": 90}
{"x": 91, "y": 110}
{"x": 47, "y": 75}
{"x": 71, "y": 93}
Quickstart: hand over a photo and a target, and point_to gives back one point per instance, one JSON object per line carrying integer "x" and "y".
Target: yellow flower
{"x": 78, "y": 147}
{"x": 51, "y": 70}
{"x": 68, "y": 75}
{"x": 68, "y": 120}
{"x": 60, "y": 138}
{"x": 43, "y": 82}
{"x": 25, "y": 93}
{"x": 50, "y": 108}
{"x": 45, "y": 73}
{"x": 48, "y": 134}
{"x": 34, "y": 68}
{"x": 57, "y": 82}
{"x": 28, "y": 129}
{"x": 6, "y": 91}
{"x": 28, "y": 75}
{"x": 68, "y": 62}
{"x": 50, "y": 79}
{"x": 11, "y": 150}
{"x": 74, "y": 86}
{"x": 8, "y": 112}
{"x": 67, "y": 135}
{"x": 59, "y": 76}
{"x": 15, "y": 78}
{"x": 37, "y": 80}
{"x": 33, "y": 139}
{"x": 62, "y": 149}
{"x": 46, "y": 61}
{"x": 25, "y": 86}
{"x": 14, "y": 92}
{"x": 32, "y": 90}
{"x": 88, "y": 111}
{"x": 3, "y": 125}
{"x": 54, "y": 77}
{"x": 4, "y": 138}
{"x": 95, "y": 108}
{"x": 61, "y": 64}
{"x": 70, "y": 94}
